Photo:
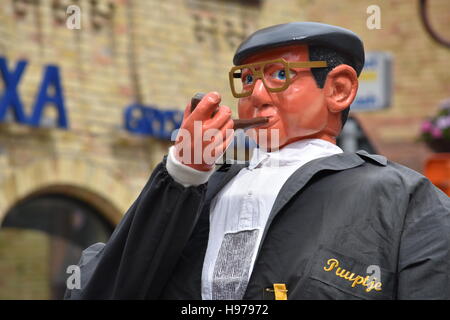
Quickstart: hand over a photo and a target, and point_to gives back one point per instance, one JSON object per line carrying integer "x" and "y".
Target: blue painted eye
{"x": 248, "y": 79}
{"x": 279, "y": 74}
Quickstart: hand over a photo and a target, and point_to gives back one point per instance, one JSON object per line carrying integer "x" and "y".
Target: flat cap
{"x": 311, "y": 33}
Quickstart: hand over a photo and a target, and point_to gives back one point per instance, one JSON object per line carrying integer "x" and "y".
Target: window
{"x": 39, "y": 238}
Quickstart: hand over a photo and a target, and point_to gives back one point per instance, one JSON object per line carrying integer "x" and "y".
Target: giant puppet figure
{"x": 302, "y": 219}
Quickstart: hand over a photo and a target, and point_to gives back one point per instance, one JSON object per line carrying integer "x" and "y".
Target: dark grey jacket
{"x": 335, "y": 222}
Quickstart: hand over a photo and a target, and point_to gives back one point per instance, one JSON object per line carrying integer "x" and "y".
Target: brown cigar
{"x": 238, "y": 123}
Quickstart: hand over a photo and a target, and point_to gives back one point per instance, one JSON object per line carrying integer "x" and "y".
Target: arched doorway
{"x": 40, "y": 237}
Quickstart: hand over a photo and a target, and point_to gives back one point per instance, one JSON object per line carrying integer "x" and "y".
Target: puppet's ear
{"x": 340, "y": 87}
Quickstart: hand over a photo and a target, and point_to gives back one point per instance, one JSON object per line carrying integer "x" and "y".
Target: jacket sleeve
{"x": 143, "y": 250}
{"x": 424, "y": 255}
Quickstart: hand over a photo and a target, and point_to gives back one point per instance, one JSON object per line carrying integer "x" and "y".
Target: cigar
{"x": 238, "y": 123}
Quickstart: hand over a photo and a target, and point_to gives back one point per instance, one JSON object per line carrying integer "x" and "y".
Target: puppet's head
{"x": 303, "y": 75}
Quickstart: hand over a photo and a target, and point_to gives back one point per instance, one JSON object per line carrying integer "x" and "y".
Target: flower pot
{"x": 439, "y": 145}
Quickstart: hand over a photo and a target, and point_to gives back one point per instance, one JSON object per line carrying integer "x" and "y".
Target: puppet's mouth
{"x": 249, "y": 123}
{"x": 272, "y": 120}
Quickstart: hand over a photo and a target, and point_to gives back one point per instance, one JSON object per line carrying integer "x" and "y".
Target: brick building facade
{"x": 158, "y": 54}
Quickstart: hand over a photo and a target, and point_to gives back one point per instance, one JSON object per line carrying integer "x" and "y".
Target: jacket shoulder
{"x": 395, "y": 177}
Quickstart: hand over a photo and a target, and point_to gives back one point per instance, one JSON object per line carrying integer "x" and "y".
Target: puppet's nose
{"x": 260, "y": 95}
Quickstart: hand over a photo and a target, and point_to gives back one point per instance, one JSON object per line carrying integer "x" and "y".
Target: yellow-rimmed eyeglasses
{"x": 275, "y": 74}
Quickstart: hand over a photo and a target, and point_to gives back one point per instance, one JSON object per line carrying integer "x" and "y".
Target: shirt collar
{"x": 296, "y": 153}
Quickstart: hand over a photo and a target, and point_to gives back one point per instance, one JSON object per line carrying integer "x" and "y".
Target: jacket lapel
{"x": 220, "y": 178}
{"x": 296, "y": 181}
{"x": 301, "y": 176}
{"x": 337, "y": 162}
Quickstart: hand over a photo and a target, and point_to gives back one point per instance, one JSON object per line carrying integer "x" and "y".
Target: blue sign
{"x": 138, "y": 119}
{"x": 11, "y": 98}
{"x": 148, "y": 120}
{"x": 375, "y": 82}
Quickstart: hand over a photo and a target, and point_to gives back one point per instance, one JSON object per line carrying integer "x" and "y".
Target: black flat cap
{"x": 311, "y": 33}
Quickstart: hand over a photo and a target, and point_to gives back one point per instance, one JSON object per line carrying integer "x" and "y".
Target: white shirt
{"x": 239, "y": 213}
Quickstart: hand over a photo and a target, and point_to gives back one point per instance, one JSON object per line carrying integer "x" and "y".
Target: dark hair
{"x": 333, "y": 58}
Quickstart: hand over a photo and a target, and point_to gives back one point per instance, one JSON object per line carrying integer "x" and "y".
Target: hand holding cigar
{"x": 238, "y": 123}
{"x": 204, "y": 134}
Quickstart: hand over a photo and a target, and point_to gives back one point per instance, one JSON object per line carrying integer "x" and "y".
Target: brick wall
{"x": 24, "y": 257}
{"x": 180, "y": 47}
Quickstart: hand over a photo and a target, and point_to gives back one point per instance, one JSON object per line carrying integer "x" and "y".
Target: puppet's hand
{"x": 204, "y": 134}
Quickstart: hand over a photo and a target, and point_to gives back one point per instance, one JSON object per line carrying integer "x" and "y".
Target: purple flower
{"x": 426, "y": 126}
{"x": 436, "y": 132}
{"x": 443, "y": 122}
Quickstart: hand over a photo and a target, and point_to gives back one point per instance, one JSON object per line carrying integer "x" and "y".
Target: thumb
{"x": 187, "y": 113}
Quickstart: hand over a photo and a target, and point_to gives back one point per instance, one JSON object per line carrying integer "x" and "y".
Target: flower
{"x": 436, "y": 132}
{"x": 427, "y": 126}
{"x": 437, "y": 129}
{"x": 443, "y": 122}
